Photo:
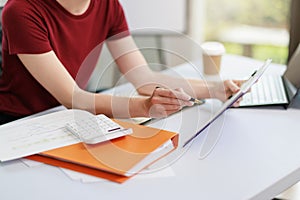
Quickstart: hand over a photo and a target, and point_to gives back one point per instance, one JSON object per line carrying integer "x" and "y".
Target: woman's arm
{"x": 134, "y": 67}
{"x": 47, "y": 69}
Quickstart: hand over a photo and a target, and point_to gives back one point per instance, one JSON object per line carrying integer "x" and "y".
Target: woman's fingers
{"x": 174, "y": 97}
{"x": 232, "y": 86}
{"x": 164, "y": 102}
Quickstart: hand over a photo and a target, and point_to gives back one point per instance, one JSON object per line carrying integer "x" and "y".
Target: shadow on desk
{"x": 296, "y": 103}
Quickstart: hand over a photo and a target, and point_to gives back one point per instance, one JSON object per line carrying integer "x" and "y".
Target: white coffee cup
{"x": 212, "y": 56}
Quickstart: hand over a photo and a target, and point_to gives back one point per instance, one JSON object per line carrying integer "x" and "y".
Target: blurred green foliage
{"x": 223, "y": 14}
{"x": 261, "y": 52}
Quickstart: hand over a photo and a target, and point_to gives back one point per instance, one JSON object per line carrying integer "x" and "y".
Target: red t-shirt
{"x": 39, "y": 26}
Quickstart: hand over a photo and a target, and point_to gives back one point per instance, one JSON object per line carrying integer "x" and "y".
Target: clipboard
{"x": 246, "y": 86}
{"x": 116, "y": 160}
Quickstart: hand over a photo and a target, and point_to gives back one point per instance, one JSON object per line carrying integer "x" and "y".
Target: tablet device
{"x": 243, "y": 90}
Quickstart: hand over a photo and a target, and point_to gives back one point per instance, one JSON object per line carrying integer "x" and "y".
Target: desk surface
{"x": 245, "y": 154}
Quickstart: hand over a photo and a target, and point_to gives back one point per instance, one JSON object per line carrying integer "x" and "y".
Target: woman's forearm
{"x": 112, "y": 106}
{"x": 194, "y": 87}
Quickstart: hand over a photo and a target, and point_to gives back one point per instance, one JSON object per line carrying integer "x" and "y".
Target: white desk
{"x": 255, "y": 155}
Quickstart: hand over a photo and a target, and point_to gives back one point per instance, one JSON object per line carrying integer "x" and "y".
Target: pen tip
{"x": 198, "y": 101}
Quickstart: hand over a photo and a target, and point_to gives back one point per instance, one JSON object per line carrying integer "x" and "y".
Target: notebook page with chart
{"x": 26, "y": 137}
{"x": 46, "y": 132}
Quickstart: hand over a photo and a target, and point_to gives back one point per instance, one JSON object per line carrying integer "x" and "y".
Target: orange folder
{"x": 116, "y": 160}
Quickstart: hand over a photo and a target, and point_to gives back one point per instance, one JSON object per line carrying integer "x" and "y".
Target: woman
{"x": 50, "y": 48}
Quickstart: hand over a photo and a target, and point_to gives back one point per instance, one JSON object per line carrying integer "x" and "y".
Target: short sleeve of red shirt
{"x": 24, "y": 27}
{"x": 119, "y": 28}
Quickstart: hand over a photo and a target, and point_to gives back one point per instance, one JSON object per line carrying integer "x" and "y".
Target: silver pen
{"x": 197, "y": 101}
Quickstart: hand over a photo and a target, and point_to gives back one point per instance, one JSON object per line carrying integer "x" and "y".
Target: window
{"x": 255, "y": 28}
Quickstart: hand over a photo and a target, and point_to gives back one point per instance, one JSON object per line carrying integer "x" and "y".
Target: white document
{"x": 31, "y": 136}
{"x": 145, "y": 174}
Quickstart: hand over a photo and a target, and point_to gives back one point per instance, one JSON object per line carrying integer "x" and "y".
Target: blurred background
{"x": 257, "y": 29}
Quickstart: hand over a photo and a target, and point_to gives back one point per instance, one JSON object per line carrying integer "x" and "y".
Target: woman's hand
{"x": 164, "y": 102}
{"x": 224, "y": 90}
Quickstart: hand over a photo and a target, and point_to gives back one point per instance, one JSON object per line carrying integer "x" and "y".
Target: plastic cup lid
{"x": 213, "y": 48}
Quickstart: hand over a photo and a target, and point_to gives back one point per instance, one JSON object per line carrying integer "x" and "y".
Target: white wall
{"x": 185, "y": 44}
{"x": 159, "y": 14}
{"x": 2, "y": 2}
